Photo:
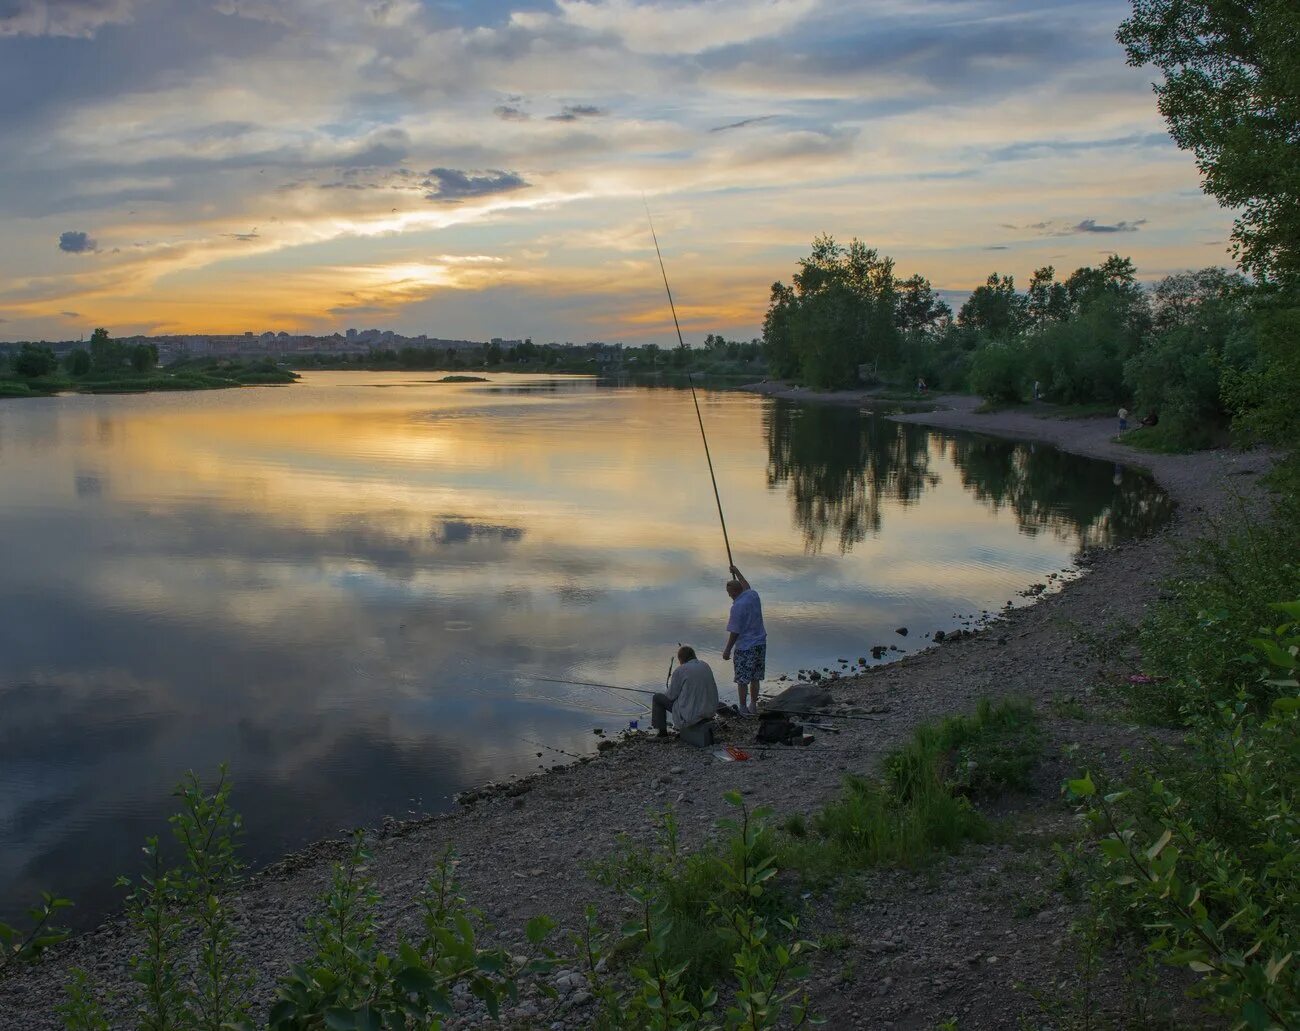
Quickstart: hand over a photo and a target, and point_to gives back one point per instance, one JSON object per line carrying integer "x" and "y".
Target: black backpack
{"x": 776, "y": 728}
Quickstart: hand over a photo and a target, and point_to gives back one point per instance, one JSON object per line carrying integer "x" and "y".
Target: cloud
{"x": 77, "y": 18}
{"x": 573, "y": 112}
{"x": 998, "y": 247}
{"x": 242, "y": 237}
{"x": 451, "y": 184}
{"x": 743, "y": 123}
{"x": 509, "y": 113}
{"x": 1091, "y": 225}
{"x": 1057, "y": 227}
{"x": 77, "y": 242}
{"x": 70, "y": 314}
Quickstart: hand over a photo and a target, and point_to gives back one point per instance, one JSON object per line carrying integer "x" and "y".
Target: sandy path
{"x": 945, "y": 944}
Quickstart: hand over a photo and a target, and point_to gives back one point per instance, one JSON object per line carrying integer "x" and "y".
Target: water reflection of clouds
{"x": 340, "y": 602}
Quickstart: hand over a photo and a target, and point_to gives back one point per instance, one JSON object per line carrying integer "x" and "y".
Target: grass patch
{"x": 1161, "y": 439}
{"x": 13, "y": 388}
{"x": 924, "y": 802}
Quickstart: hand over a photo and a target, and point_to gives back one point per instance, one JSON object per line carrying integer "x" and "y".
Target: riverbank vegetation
{"x": 719, "y": 358}
{"x": 111, "y": 366}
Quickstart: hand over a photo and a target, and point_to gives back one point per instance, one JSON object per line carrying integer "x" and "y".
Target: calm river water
{"x": 339, "y": 587}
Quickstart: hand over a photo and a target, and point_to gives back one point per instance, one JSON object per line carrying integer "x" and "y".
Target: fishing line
{"x": 703, "y": 436}
{"x": 816, "y": 713}
{"x": 583, "y": 683}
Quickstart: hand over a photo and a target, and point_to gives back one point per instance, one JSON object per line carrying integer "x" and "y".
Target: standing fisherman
{"x": 748, "y": 638}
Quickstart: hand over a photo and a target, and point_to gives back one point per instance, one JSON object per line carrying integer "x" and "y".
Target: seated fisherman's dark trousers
{"x": 660, "y": 706}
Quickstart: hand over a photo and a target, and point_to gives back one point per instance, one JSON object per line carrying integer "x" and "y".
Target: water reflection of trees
{"x": 842, "y": 467}
{"x": 1089, "y": 501}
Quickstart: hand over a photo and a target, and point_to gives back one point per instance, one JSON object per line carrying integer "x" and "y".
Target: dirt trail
{"x": 914, "y": 949}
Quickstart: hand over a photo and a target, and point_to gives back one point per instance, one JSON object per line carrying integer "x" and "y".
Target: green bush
{"x": 999, "y": 372}
{"x": 1191, "y": 640}
{"x": 764, "y": 960}
{"x": 1201, "y": 863}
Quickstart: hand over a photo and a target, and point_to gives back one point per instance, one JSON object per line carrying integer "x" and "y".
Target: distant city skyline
{"x": 469, "y": 170}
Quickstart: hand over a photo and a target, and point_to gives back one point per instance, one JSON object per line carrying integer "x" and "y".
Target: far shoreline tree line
{"x": 1188, "y": 348}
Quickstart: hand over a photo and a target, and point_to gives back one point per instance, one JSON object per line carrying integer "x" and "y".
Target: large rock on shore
{"x": 801, "y": 698}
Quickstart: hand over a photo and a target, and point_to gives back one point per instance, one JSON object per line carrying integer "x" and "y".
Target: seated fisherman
{"x": 692, "y": 695}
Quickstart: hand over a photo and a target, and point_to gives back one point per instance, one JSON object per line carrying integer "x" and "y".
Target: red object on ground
{"x": 739, "y": 754}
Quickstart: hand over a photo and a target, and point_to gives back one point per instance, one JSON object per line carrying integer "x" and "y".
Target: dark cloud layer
{"x": 1058, "y": 227}
{"x": 573, "y": 112}
{"x": 451, "y": 184}
{"x": 743, "y": 123}
{"x": 1091, "y": 225}
{"x": 76, "y": 242}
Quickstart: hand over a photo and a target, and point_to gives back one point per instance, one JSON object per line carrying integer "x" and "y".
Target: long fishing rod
{"x": 703, "y": 436}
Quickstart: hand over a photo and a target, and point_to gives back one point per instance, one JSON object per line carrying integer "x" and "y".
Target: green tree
{"x": 778, "y": 333}
{"x": 1047, "y": 301}
{"x": 1231, "y": 96}
{"x": 995, "y": 308}
{"x": 78, "y": 361}
{"x": 34, "y": 360}
{"x": 1081, "y": 360}
{"x": 920, "y": 308}
{"x": 106, "y": 354}
{"x": 144, "y": 357}
{"x": 1203, "y": 330}
{"x": 839, "y": 314}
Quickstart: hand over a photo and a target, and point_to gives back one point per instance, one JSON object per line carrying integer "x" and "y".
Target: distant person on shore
{"x": 1037, "y": 395}
{"x": 1123, "y": 419}
{"x": 747, "y": 638}
{"x": 921, "y": 388}
{"x": 692, "y": 695}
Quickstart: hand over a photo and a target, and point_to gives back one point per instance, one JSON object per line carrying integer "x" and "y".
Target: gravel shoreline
{"x": 919, "y": 947}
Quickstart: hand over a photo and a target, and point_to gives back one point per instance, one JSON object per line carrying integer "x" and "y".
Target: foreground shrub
{"x": 1192, "y": 640}
{"x": 1202, "y": 864}
{"x": 765, "y": 960}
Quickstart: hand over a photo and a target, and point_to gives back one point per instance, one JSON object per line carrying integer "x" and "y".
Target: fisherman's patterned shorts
{"x": 750, "y": 664}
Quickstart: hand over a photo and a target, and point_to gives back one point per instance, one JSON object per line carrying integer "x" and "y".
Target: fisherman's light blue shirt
{"x": 746, "y": 620}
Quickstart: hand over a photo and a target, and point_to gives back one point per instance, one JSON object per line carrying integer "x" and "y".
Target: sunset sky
{"x": 476, "y": 169}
